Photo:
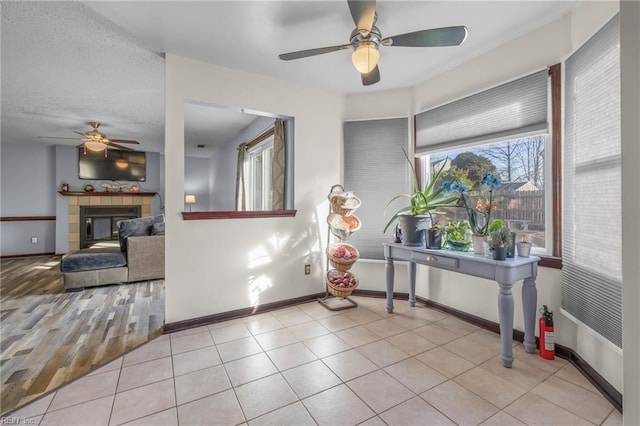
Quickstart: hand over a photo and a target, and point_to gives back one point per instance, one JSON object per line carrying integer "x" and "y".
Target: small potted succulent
{"x": 500, "y": 239}
{"x": 524, "y": 247}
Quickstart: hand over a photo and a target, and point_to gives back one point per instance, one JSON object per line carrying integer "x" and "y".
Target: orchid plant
{"x": 480, "y": 214}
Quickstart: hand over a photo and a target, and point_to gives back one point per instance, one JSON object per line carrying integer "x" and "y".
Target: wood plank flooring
{"x": 30, "y": 276}
{"x": 49, "y": 338}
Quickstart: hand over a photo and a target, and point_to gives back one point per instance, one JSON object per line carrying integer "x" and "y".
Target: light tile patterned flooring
{"x": 308, "y": 365}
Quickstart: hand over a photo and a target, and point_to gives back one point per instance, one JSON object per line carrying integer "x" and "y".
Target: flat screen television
{"x": 117, "y": 165}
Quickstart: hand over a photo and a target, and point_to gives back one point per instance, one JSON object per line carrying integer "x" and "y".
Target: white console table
{"x": 505, "y": 272}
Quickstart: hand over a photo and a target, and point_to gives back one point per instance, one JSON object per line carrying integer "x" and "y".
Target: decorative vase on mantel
{"x": 478, "y": 243}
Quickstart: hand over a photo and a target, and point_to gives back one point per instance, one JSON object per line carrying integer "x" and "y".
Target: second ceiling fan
{"x": 95, "y": 140}
{"x": 366, "y": 38}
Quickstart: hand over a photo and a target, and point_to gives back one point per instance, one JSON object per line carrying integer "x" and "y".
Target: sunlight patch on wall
{"x": 256, "y": 286}
{"x": 258, "y": 257}
{"x": 278, "y": 242}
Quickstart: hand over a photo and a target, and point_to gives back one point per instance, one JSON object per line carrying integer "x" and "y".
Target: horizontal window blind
{"x": 505, "y": 111}
{"x": 375, "y": 170}
{"x": 592, "y": 206}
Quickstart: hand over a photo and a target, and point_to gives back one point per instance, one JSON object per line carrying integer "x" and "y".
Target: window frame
{"x": 554, "y": 137}
{"x": 255, "y": 150}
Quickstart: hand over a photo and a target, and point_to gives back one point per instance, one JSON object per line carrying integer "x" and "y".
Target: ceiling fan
{"x": 95, "y": 140}
{"x": 366, "y": 39}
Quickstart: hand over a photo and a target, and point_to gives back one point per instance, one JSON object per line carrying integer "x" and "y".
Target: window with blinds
{"x": 592, "y": 246}
{"x": 502, "y": 130}
{"x": 376, "y": 170}
{"x": 504, "y": 112}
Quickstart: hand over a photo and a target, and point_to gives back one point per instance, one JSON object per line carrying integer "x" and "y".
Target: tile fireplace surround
{"x": 77, "y": 199}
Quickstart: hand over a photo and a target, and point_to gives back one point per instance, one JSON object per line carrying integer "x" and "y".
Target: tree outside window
{"x": 522, "y": 199}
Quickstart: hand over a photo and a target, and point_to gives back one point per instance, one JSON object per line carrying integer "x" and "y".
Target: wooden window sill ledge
{"x": 233, "y": 214}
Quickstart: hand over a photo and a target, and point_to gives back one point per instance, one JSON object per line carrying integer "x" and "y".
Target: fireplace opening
{"x": 99, "y": 224}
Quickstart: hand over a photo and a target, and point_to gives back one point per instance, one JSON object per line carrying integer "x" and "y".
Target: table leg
{"x": 412, "y": 284}
{"x": 505, "y": 313}
{"x": 389, "y": 271}
{"x": 529, "y": 303}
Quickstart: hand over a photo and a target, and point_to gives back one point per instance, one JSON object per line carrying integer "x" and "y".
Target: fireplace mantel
{"x": 106, "y": 194}
{"x": 76, "y": 199}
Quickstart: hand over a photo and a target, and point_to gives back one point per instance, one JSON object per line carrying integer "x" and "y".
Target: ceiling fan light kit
{"x": 365, "y": 57}
{"x": 95, "y": 146}
{"x": 366, "y": 39}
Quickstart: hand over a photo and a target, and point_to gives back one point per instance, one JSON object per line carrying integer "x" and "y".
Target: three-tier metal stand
{"x": 341, "y": 223}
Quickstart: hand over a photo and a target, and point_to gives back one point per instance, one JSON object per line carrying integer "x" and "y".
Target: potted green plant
{"x": 500, "y": 240}
{"x": 458, "y": 235}
{"x": 423, "y": 204}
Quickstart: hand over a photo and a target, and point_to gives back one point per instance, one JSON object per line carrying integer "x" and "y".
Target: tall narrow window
{"x": 375, "y": 170}
{"x": 258, "y": 163}
{"x": 592, "y": 247}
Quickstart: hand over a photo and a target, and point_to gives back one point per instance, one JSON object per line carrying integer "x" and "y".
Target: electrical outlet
{"x": 34, "y": 240}
{"x": 307, "y": 269}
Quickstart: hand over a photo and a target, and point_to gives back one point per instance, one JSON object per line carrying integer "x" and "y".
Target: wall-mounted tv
{"x": 116, "y": 165}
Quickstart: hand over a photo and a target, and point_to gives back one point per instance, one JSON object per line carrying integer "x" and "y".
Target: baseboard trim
{"x": 10, "y": 256}
{"x": 605, "y": 388}
{"x": 600, "y": 383}
{"x": 172, "y": 327}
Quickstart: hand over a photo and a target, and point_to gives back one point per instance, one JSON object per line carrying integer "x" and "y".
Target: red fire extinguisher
{"x": 547, "y": 336}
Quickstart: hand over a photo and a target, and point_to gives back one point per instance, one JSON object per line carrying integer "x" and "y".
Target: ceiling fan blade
{"x": 80, "y": 133}
{"x": 363, "y": 13}
{"x": 447, "y": 36}
{"x": 57, "y": 137}
{"x": 312, "y": 52}
{"x": 121, "y": 141}
{"x": 372, "y": 77}
{"x": 115, "y": 145}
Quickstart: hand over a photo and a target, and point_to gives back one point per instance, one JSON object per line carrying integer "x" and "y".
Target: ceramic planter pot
{"x": 434, "y": 238}
{"x": 413, "y": 229}
{"x": 478, "y": 243}
{"x": 524, "y": 249}
{"x": 500, "y": 253}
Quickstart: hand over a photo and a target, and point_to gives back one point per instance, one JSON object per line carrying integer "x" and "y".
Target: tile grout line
{"x": 113, "y": 402}
{"x": 341, "y": 381}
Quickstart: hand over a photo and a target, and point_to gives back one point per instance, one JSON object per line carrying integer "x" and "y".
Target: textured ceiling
{"x": 63, "y": 65}
{"x": 67, "y": 63}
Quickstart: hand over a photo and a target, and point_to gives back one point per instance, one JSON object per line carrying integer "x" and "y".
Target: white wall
{"x": 533, "y": 51}
{"x": 216, "y": 266}
{"x": 630, "y": 86}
